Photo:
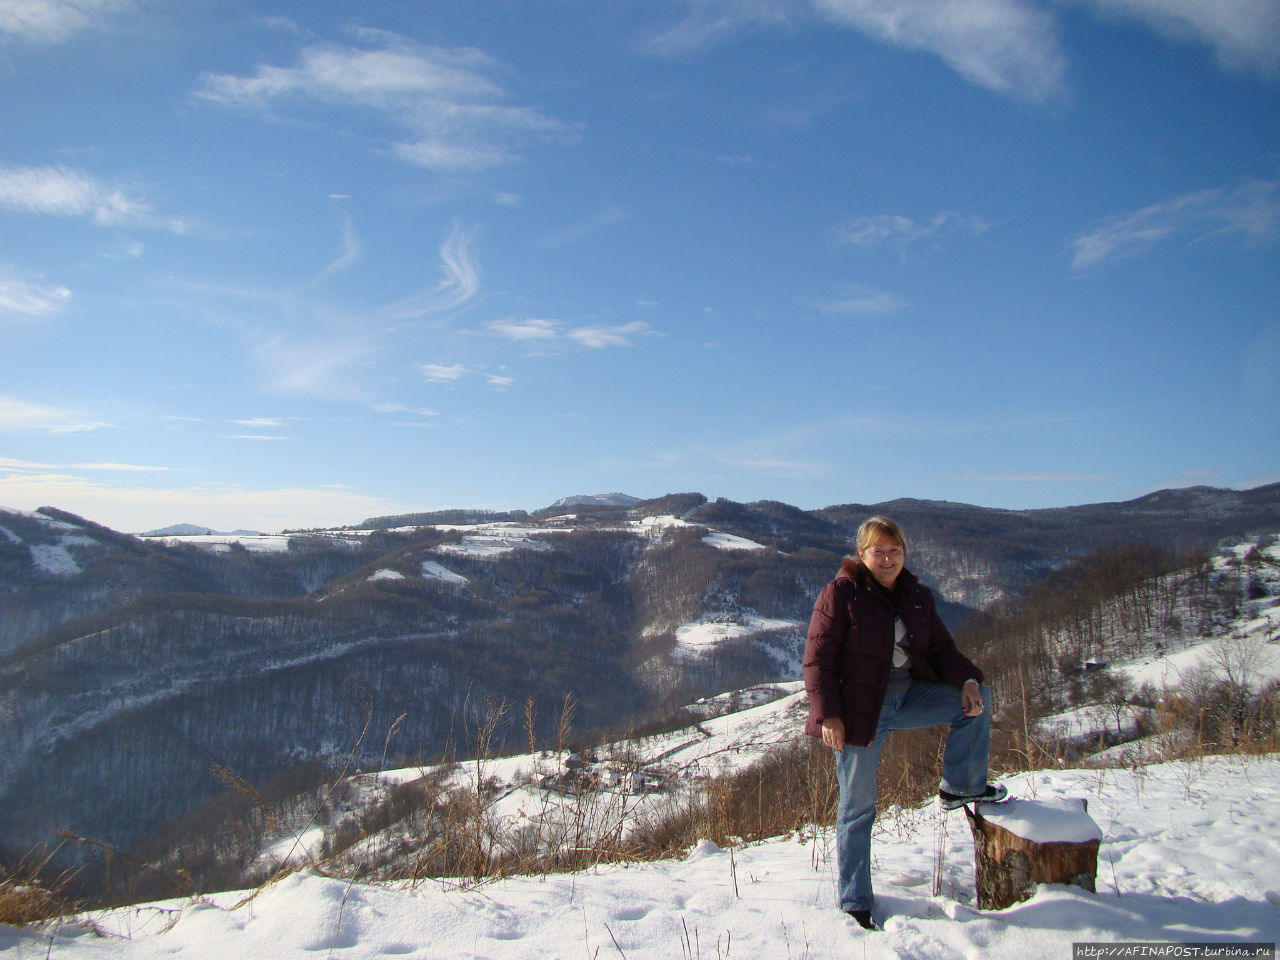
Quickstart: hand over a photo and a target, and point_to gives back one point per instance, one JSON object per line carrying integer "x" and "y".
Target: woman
{"x": 878, "y": 658}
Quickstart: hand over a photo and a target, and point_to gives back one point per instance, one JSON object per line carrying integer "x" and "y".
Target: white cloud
{"x": 1249, "y": 212}
{"x": 260, "y": 422}
{"x": 30, "y": 298}
{"x": 599, "y": 338}
{"x": 454, "y": 114}
{"x": 530, "y": 329}
{"x": 558, "y": 335}
{"x": 862, "y": 302}
{"x": 575, "y": 232}
{"x": 456, "y": 372}
{"x": 901, "y": 232}
{"x": 322, "y": 361}
{"x": 401, "y": 408}
{"x": 350, "y": 253}
{"x": 1244, "y": 34}
{"x": 223, "y": 507}
{"x": 710, "y": 21}
{"x": 60, "y": 192}
{"x": 7, "y": 463}
{"x": 459, "y": 284}
{"x": 442, "y": 373}
{"x": 1008, "y": 46}
{"x": 16, "y": 414}
{"x": 121, "y": 467}
{"x": 53, "y": 21}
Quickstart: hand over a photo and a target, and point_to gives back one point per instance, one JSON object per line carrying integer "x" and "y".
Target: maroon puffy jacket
{"x": 849, "y": 649}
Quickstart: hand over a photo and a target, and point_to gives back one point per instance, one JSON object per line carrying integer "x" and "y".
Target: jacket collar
{"x": 854, "y": 569}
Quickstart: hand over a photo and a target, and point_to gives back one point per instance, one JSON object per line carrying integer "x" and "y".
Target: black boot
{"x": 864, "y": 918}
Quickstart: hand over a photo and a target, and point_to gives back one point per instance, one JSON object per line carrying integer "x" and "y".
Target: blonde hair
{"x": 875, "y": 529}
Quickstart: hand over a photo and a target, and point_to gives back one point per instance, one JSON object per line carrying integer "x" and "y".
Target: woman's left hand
{"x": 971, "y": 698}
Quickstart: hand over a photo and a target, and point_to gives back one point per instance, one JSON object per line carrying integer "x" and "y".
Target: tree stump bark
{"x": 1020, "y": 843}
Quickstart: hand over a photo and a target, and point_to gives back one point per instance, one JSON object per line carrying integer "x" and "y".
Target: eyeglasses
{"x": 885, "y": 553}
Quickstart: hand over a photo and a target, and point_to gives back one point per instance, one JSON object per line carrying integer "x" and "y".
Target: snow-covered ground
{"x": 699, "y": 636}
{"x": 655, "y": 527}
{"x": 53, "y": 558}
{"x": 222, "y": 542}
{"x": 1189, "y": 854}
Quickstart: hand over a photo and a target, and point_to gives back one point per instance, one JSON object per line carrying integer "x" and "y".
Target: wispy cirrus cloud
{"x": 856, "y": 301}
{"x": 331, "y": 354}
{"x": 54, "y": 21}
{"x": 443, "y": 107}
{"x": 600, "y": 337}
{"x": 1249, "y": 212}
{"x": 1008, "y": 46}
{"x": 556, "y": 333}
{"x": 442, "y": 373}
{"x": 28, "y": 297}
{"x": 321, "y": 361}
{"x": 1243, "y": 34}
{"x": 710, "y": 21}
{"x": 18, "y": 414}
{"x": 455, "y": 373}
{"x": 459, "y": 282}
{"x": 575, "y": 232}
{"x": 26, "y": 466}
{"x": 902, "y": 233}
{"x": 138, "y": 508}
{"x": 350, "y": 254}
{"x": 63, "y": 192}
{"x": 529, "y": 330}
{"x": 402, "y": 408}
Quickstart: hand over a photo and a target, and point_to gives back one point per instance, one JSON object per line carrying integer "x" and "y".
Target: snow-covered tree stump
{"x": 1020, "y": 843}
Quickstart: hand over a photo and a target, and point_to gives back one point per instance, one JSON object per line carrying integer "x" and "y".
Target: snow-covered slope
{"x": 1188, "y": 855}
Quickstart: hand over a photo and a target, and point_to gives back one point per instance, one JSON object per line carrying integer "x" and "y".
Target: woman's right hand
{"x": 833, "y": 733}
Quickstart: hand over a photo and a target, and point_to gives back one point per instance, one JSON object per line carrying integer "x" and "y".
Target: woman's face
{"x": 884, "y": 559}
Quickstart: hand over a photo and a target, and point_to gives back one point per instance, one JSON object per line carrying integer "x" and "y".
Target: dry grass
{"x": 30, "y": 894}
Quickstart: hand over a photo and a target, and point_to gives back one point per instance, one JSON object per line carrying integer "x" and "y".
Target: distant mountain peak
{"x": 192, "y": 530}
{"x": 595, "y": 500}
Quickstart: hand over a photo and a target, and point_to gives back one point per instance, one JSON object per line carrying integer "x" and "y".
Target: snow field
{"x": 1189, "y": 854}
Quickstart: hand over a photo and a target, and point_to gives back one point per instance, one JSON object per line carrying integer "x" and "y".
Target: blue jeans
{"x": 964, "y": 771}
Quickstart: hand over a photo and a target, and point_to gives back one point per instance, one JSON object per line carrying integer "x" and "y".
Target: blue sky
{"x": 295, "y": 264}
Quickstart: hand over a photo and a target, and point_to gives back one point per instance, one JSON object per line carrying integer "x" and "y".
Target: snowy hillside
{"x": 1217, "y": 643}
{"x": 1189, "y": 855}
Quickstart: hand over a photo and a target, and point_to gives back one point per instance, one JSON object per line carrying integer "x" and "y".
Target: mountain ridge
{"x": 128, "y": 664}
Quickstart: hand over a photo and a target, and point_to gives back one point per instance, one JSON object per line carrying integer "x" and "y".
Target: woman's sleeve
{"x": 824, "y": 643}
{"x": 952, "y": 665}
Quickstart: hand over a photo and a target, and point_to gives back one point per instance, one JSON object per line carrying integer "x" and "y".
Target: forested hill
{"x": 130, "y": 666}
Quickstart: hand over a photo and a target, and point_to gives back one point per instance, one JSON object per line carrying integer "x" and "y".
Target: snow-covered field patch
{"x": 486, "y": 546}
{"x": 727, "y": 541}
{"x": 437, "y": 571}
{"x": 656, "y": 527}
{"x": 222, "y": 542}
{"x": 698, "y": 637}
{"x": 54, "y": 558}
